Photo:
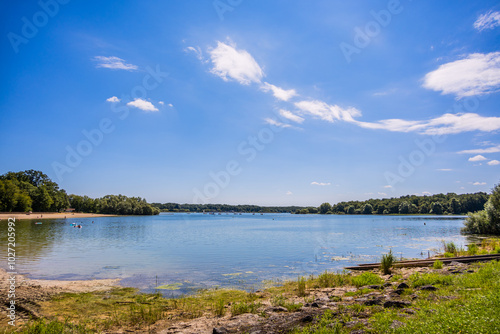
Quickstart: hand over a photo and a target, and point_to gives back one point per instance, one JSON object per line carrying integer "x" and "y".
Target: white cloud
{"x": 444, "y": 124}
{"x": 479, "y": 183}
{"x": 388, "y": 186}
{"x": 143, "y": 105}
{"x": 114, "y": 63}
{"x": 493, "y": 149}
{"x": 197, "y": 51}
{"x": 382, "y": 194}
{"x": 426, "y": 193}
{"x": 489, "y": 20}
{"x": 279, "y": 93}
{"x": 493, "y": 162}
{"x": 291, "y": 116}
{"x": 170, "y": 105}
{"x": 113, "y": 99}
{"x": 276, "y": 123}
{"x": 445, "y": 169}
{"x": 314, "y": 183}
{"x": 239, "y": 65}
{"x": 475, "y": 75}
{"x": 161, "y": 102}
{"x": 477, "y": 158}
{"x": 289, "y": 193}
{"x": 326, "y": 112}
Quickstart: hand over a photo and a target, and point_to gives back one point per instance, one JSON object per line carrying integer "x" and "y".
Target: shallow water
{"x": 197, "y": 250}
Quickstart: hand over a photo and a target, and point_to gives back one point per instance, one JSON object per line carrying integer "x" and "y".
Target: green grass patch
{"x": 366, "y": 278}
{"x": 437, "y": 264}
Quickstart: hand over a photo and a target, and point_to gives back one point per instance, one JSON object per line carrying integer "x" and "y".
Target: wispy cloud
{"x": 314, "y": 183}
{"x": 493, "y": 162}
{"x": 276, "y": 123}
{"x": 445, "y": 169}
{"x": 476, "y": 74}
{"x": 388, "y": 186}
{"x": 479, "y": 184}
{"x": 426, "y": 193}
{"x": 279, "y": 93}
{"x": 382, "y": 194}
{"x": 231, "y": 63}
{"x": 326, "y": 112}
{"x": 493, "y": 149}
{"x": 142, "y": 104}
{"x": 477, "y": 158}
{"x": 114, "y": 63}
{"x": 291, "y": 116}
{"x": 113, "y": 99}
{"x": 444, "y": 124}
{"x": 289, "y": 193}
{"x": 198, "y": 53}
{"x": 489, "y": 20}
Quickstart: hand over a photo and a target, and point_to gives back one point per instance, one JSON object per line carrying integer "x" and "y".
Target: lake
{"x": 200, "y": 250}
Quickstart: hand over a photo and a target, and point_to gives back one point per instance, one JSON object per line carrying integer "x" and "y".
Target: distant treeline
{"x": 113, "y": 204}
{"x": 174, "y": 207}
{"x": 450, "y": 203}
{"x": 439, "y": 204}
{"x": 32, "y": 190}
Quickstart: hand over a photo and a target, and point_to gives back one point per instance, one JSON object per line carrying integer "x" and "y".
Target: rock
{"x": 375, "y": 287}
{"x": 314, "y": 304}
{"x": 428, "y": 288}
{"x": 396, "y": 303}
{"x": 371, "y": 302}
{"x": 386, "y": 285}
{"x": 398, "y": 291}
{"x": 396, "y": 324}
{"x": 276, "y": 309}
{"x": 403, "y": 286}
{"x": 307, "y": 318}
{"x": 456, "y": 272}
{"x": 220, "y": 330}
{"x": 408, "y": 311}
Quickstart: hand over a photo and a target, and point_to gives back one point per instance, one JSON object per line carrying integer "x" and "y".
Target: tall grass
{"x": 450, "y": 247}
{"x": 387, "y": 262}
{"x": 301, "y": 287}
{"x": 366, "y": 279}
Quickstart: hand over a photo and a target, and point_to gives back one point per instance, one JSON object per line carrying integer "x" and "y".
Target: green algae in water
{"x": 173, "y": 286}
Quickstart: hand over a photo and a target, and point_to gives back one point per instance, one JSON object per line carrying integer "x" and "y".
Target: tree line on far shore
{"x": 439, "y": 204}
{"x": 32, "y": 190}
{"x": 175, "y": 207}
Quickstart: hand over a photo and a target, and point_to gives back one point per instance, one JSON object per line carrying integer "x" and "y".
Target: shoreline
{"x": 51, "y": 215}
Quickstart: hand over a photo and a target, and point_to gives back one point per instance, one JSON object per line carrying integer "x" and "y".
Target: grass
{"x": 437, "y": 264}
{"x": 468, "y": 303}
{"x": 244, "y": 307}
{"x": 301, "y": 287}
{"x": 280, "y": 300}
{"x": 366, "y": 278}
{"x": 387, "y": 261}
{"x": 450, "y": 247}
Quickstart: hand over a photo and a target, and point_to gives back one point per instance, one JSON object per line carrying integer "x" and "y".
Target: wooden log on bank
{"x": 429, "y": 262}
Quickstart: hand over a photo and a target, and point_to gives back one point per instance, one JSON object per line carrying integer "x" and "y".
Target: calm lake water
{"x": 198, "y": 250}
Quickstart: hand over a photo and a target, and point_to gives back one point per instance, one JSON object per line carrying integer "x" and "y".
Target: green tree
{"x": 486, "y": 221}
{"x": 436, "y": 208}
{"x": 350, "y": 210}
{"x": 367, "y": 209}
{"x": 455, "y": 206}
{"x": 42, "y": 201}
{"x": 404, "y": 208}
{"x": 324, "y": 208}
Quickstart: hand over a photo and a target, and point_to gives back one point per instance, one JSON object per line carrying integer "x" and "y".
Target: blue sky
{"x": 253, "y": 102}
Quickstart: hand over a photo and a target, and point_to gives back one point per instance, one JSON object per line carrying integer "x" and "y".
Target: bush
{"x": 472, "y": 249}
{"x": 450, "y": 247}
{"x": 387, "y": 261}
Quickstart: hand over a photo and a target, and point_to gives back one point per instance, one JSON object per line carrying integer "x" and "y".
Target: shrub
{"x": 301, "y": 287}
{"x": 366, "y": 279}
{"x": 486, "y": 221}
{"x": 437, "y": 265}
{"x": 450, "y": 247}
{"x": 472, "y": 249}
{"x": 387, "y": 261}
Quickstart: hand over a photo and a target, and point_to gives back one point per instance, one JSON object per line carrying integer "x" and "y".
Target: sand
{"x": 50, "y": 215}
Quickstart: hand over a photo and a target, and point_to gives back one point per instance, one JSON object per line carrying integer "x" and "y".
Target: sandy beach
{"x": 50, "y": 215}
